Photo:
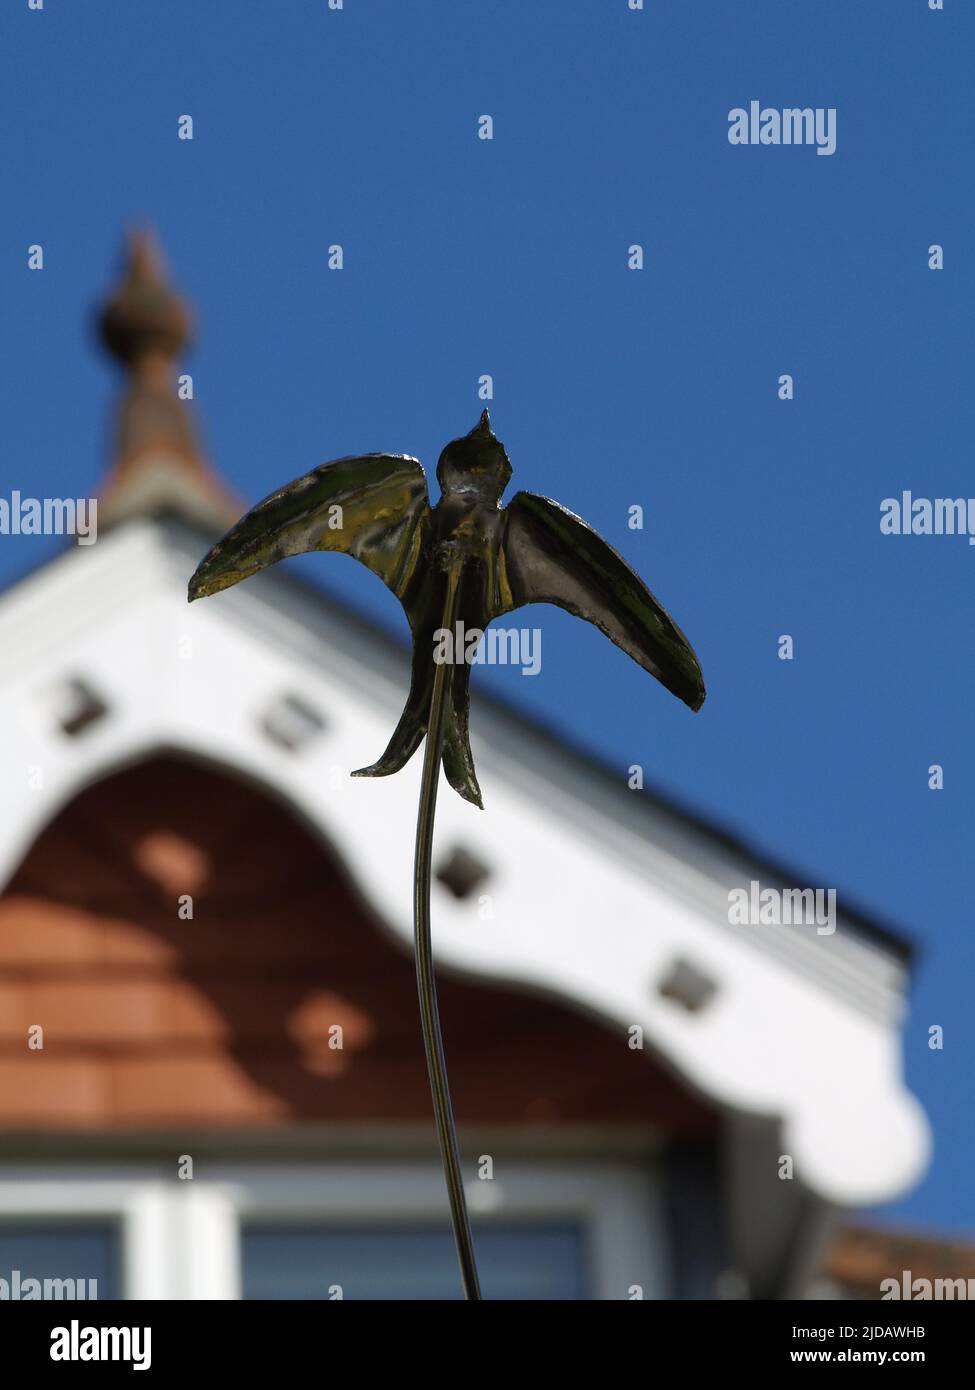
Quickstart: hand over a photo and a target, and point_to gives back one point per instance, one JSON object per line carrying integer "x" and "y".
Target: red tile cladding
{"x": 150, "y": 1020}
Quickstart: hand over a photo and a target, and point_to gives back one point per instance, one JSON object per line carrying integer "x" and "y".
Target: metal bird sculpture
{"x": 471, "y": 560}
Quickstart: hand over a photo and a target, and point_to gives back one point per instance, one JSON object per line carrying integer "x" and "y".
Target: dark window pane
{"x": 407, "y": 1262}
{"x": 67, "y": 1254}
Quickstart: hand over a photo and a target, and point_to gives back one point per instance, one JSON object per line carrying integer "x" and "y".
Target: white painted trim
{"x": 144, "y": 1210}
{"x": 584, "y": 910}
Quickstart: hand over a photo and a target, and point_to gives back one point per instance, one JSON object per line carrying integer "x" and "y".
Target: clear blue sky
{"x": 612, "y": 387}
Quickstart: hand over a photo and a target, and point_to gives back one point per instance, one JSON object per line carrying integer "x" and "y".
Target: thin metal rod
{"x": 426, "y": 983}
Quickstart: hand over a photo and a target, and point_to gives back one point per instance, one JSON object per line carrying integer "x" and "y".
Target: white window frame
{"x": 181, "y": 1239}
{"x": 177, "y": 1240}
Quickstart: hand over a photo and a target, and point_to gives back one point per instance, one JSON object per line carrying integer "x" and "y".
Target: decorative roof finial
{"x": 146, "y": 318}
{"x": 158, "y": 463}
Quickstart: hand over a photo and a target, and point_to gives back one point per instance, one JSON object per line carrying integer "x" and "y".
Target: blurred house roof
{"x": 860, "y": 1258}
{"x": 606, "y": 902}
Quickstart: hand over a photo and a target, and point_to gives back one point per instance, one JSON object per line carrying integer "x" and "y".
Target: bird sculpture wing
{"x": 550, "y": 555}
{"x": 373, "y": 507}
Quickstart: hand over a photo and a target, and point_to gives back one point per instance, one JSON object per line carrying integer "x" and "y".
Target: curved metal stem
{"x": 426, "y": 983}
